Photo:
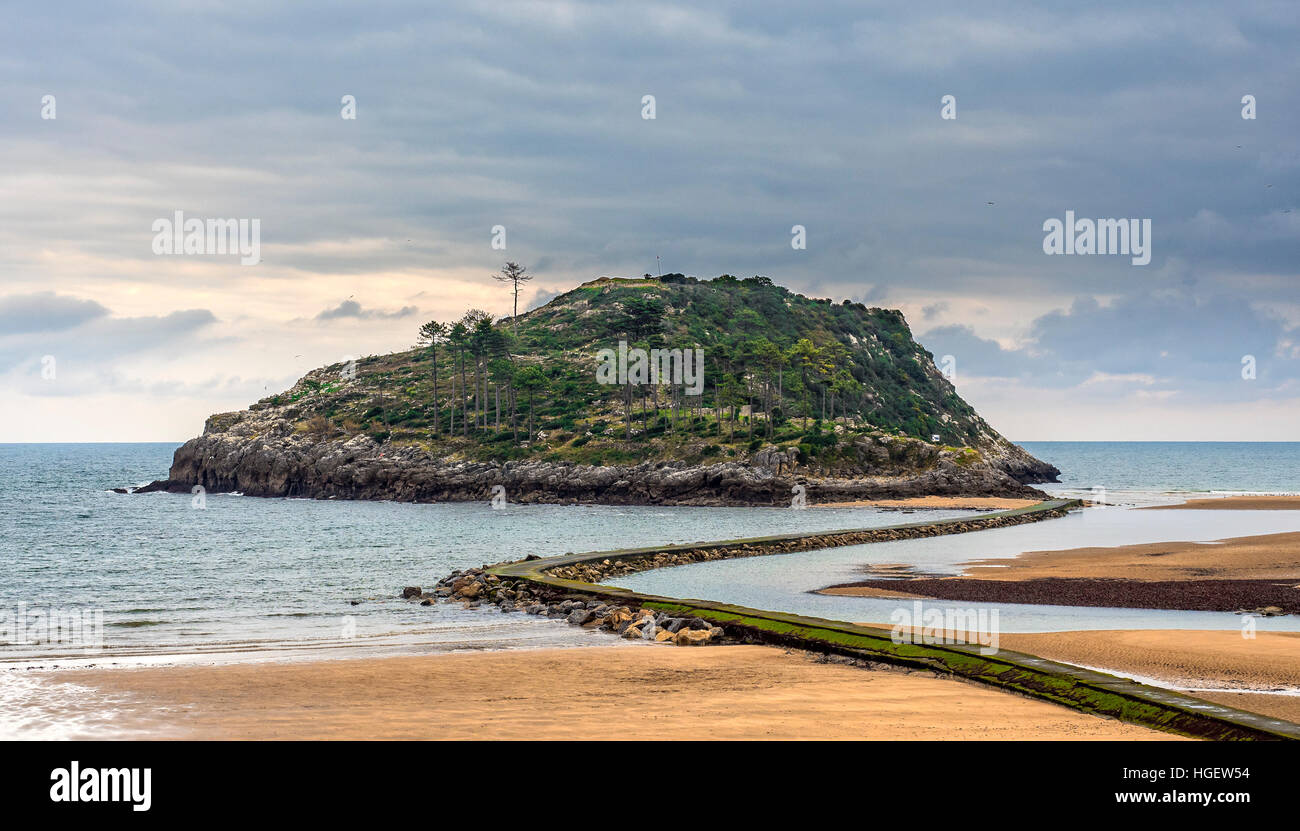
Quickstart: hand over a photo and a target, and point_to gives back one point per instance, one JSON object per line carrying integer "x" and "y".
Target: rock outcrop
{"x": 260, "y": 453}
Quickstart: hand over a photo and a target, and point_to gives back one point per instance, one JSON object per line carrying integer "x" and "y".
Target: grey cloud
{"x": 95, "y": 345}
{"x": 540, "y": 298}
{"x": 45, "y": 312}
{"x": 934, "y": 310}
{"x": 353, "y": 309}
{"x": 974, "y": 355}
{"x": 1173, "y": 340}
{"x": 1179, "y": 335}
{"x": 768, "y": 116}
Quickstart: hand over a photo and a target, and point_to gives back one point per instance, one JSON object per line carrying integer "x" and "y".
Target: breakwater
{"x": 565, "y": 586}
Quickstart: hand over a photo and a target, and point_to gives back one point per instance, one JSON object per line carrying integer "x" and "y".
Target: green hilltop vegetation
{"x": 779, "y": 369}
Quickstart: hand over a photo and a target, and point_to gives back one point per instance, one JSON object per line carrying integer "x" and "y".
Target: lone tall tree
{"x": 432, "y": 334}
{"x": 516, "y": 275}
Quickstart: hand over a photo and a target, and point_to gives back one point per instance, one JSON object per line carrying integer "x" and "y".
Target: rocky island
{"x": 723, "y": 392}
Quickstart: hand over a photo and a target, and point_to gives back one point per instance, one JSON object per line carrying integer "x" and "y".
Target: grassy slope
{"x": 899, "y": 392}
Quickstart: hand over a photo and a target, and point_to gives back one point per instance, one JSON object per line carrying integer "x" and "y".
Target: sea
{"x": 175, "y": 574}
{"x": 1152, "y": 471}
{"x": 171, "y": 578}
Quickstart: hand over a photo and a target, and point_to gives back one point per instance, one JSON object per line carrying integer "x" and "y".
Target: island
{"x": 666, "y": 390}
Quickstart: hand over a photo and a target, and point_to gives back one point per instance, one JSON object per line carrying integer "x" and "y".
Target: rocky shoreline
{"x": 474, "y": 587}
{"x": 267, "y": 457}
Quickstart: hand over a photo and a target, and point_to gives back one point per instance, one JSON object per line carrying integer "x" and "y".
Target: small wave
{"x": 33, "y": 708}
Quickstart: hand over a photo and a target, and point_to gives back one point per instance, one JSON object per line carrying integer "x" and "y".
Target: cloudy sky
{"x": 767, "y": 115}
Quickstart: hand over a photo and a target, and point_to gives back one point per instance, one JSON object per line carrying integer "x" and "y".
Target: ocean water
{"x": 278, "y": 577}
{"x": 1144, "y": 469}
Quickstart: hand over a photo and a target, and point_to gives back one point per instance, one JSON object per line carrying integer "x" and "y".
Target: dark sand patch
{"x": 1186, "y": 595}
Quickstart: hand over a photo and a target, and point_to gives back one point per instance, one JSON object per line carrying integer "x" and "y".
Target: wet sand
{"x": 1186, "y": 659}
{"x": 1262, "y": 557}
{"x": 1234, "y": 503}
{"x": 1272, "y": 596}
{"x": 615, "y": 692}
{"x": 1230, "y": 575}
{"x": 1216, "y": 665}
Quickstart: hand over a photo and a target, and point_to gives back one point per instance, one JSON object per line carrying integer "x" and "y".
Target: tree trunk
{"x": 437, "y": 412}
{"x": 514, "y": 421}
{"x": 749, "y": 390}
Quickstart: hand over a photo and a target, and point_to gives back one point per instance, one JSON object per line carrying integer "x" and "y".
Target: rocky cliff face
{"x": 261, "y": 453}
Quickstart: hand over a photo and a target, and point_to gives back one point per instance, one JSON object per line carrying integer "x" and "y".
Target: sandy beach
{"x": 1234, "y": 503}
{"x": 1163, "y": 575}
{"x": 1262, "y": 557}
{"x": 733, "y": 692}
{"x": 1196, "y": 660}
{"x": 615, "y": 692}
{"x": 1216, "y": 665}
